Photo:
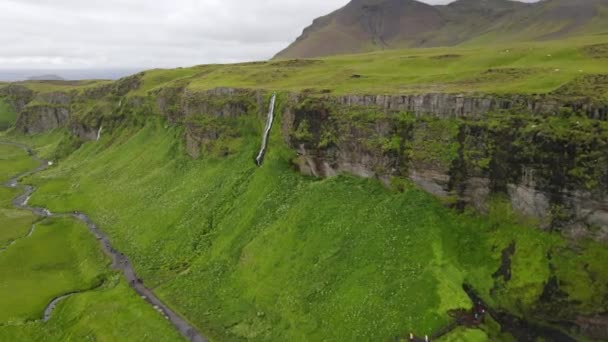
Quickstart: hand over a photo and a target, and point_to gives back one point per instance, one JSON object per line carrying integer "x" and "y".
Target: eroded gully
{"x": 119, "y": 261}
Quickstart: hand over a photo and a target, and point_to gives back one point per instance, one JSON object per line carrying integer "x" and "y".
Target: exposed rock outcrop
{"x": 84, "y": 132}
{"x": 17, "y": 96}
{"x": 450, "y": 147}
{"x": 45, "y": 112}
{"x": 207, "y": 115}
{"x": 464, "y": 148}
{"x": 42, "y": 118}
{"x": 475, "y": 106}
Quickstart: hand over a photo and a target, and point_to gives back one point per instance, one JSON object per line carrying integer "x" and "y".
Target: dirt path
{"x": 119, "y": 261}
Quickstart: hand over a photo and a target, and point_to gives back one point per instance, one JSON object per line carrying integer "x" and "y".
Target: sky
{"x": 142, "y": 34}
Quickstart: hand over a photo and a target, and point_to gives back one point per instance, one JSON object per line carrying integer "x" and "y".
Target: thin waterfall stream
{"x": 99, "y": 133}
{"x": 269, "y": 121}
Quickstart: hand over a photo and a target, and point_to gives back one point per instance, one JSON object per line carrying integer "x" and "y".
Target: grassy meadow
{"x": 538, "y": 67}
{"x": 61, "y": 257}
{"x": 14, "y": 223}
{"x": 251, "y": 253}
{"x": 522, "y": 68}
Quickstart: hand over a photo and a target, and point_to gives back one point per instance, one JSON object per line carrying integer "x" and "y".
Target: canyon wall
{"x": 547, "y": 155}
{"x": 549, "y": 159}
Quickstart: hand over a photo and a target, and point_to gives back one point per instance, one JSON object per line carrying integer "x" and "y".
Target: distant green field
{"x": 476, "y": 67}
{"x": 266, "y": 254}
{"x": 66, "y": 86}
{"x": 539, "y": 67}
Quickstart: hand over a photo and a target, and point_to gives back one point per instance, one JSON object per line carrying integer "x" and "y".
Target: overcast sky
{"x": 84, "y": 34}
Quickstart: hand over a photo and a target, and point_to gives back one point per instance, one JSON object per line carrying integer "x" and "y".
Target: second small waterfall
{"x": 99, "y": 133}
{"x": 269, "y": 121}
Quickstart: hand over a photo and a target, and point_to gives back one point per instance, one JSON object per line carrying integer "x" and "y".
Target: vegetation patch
{"x": 8, "y": 117}
{"x": 60, "y": 256}
{"x": 294, "y": 63}
{"x": 232, "y": 245}
{"x": 596, "y": 50}
{"x": 588, "y": 86}
{"x": 446, "y": 56}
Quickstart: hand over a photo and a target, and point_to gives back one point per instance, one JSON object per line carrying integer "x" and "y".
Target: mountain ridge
{"x": 369, "y": 25}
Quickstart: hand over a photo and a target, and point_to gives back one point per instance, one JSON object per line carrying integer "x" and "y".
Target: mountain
{"x": 368, "y": 25}
{"x": 49, "y": 77}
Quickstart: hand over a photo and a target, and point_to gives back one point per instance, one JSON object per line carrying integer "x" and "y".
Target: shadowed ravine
{"x": 119, "y": 261}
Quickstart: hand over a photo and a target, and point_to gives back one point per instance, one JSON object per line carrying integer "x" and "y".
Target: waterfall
{"x": 269, "y": 120}
{"x": 99, "y": 133}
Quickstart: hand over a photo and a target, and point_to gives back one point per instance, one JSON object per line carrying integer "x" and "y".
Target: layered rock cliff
{"x": 547, "y": 154}
{"x": 549, "y": 159}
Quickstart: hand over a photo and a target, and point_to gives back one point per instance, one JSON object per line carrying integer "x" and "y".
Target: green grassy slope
{"x": 521, "y": 68}
{"x": 266, "y": 254}
{"x": 8, "y": 117}
{"x": 482, "y": 67}
{"x": 60, "y": 257}
{"x": 110, "y": 313}
{"x": 14, "y": 223}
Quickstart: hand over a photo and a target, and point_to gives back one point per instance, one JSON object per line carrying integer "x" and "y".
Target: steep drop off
{"x": 546, "y": 153}
{"x": 235, "y": 249}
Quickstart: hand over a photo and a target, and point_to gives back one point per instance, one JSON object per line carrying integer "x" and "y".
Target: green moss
{"x": 435, "y": 142}
{"x": 302, "y": 132}
{"x": 8, "y": 117}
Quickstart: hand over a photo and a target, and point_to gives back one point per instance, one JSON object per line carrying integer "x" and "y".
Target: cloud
{"x": 76, "y": 34}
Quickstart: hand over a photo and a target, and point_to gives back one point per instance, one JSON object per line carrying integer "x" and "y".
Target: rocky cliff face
{"x": 550, "y": 163}
{"x": 17, "y": 96}
{"x": 456, "y": 106}
{"x": 548, "y": 155}
{"x": 81, "y": 111}
{"x": 43, "y": 112}
{"x": 207, "y": 115}
{"x": 42, "y": 118}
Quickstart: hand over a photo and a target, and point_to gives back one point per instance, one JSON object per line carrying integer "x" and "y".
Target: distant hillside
{"x": 367, "y": 25}
{"x": 46, "y": 78}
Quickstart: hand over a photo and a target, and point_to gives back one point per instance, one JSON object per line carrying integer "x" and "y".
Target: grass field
{"x": 60, "y": 257}
{"x": 266, "y": 254}
{"x": 484, "y": 67}
{"x": 14, "y": 223}
{"x": 109, "y": 313}
{"x": 529, "y": 68}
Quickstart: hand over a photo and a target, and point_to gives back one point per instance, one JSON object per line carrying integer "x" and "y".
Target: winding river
{"x": 119, "y": 261}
